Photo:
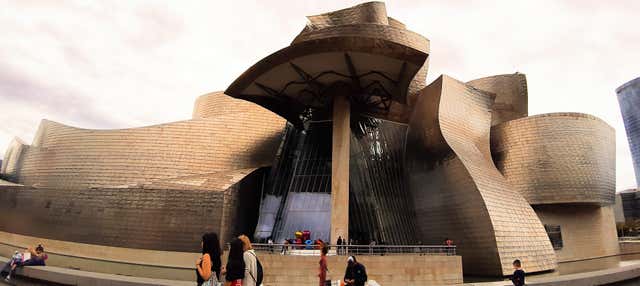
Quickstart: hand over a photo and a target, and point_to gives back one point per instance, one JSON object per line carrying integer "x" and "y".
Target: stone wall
{"x": 557, "y": 158}
{"x": 279, "y": 269}
{"x": 160, "y": 219}
{"x": 385, "y": 270}
{"x": 587, "y": 231}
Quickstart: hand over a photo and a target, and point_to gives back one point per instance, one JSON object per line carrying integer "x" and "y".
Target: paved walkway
{"x": 65, "y": 276}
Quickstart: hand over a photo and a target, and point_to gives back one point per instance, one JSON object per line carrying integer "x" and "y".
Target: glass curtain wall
{"x": 379, "y": 209}
{"x": 298, "y": 192}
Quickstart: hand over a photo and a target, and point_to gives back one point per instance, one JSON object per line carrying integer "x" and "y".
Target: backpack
{"x": 360, "y": 275}
{"x": 259, "y": 272}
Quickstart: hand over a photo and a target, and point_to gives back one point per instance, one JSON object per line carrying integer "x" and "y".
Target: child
{"x": 518, "y": 274}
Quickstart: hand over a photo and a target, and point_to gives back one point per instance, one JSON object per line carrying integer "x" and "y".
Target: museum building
{"x": 339, "y": 134}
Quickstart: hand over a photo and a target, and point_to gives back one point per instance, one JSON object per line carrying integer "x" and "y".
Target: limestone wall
{"x": 279, "y": 270}
{"x": 587, "y": 231}
{"x": 557, "y": 158}
{"x": 145, "y": 218}
{"x": 386, "y": 270}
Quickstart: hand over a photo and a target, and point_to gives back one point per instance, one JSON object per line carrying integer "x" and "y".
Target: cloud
{"x": 36, "y": 94}
{"x": 115, "y": 64}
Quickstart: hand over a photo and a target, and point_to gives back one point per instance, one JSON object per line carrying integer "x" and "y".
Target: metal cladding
{"x": 359, "y": 49}
{"x": 457, "y": 190}
{"x": 67, "y": 157}
{"x": 557, "y": 158}
{"x": 511, "y": 96}
{"x": 156, "y": 187}
{"x": 450, "y": 160}
{"x": 629, "y": 99}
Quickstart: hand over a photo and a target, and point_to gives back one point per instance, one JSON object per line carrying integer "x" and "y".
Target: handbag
{"x": 212, "y": 281}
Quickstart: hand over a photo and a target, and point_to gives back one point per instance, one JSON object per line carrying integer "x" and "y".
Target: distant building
{"x": 630, "y": 202}
{"x": 629, "y": 100}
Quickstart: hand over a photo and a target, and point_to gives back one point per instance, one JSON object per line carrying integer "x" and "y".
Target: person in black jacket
{"x": 518, "y": 274}
{"x": 356, "y": 274}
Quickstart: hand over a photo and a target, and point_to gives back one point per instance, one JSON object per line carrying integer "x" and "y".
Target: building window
{"x": 555, "y": 235}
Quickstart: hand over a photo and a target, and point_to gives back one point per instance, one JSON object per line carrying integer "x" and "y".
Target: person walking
{"x": 209, "y": 263}
{"x": 518, "y": 274}
{"x": 251, "y": 274}
{"x": 235, "y": 269}
{"x": 356, "y": 273}
{"x": 324, "y": 269}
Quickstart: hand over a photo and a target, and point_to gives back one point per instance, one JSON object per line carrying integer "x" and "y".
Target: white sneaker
{"x": 7, "y": 278}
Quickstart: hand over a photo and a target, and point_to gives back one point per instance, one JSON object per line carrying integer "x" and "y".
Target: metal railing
{"x": 629, "y": 238}
{"x": 303, "y": 249}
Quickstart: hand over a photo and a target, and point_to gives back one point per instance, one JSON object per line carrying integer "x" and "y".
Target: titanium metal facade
{"x": 629, "y": 99}
{"x": 367, "y": 147}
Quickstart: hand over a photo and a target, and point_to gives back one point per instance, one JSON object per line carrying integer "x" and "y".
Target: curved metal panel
{"x": 557, "y": 158}
{"x": 67, "y": 157}
{"x": 458, "y": 192}
{"x": 511, "y": 96}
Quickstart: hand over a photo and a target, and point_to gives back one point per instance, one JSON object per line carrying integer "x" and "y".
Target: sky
{"x": 118, "y": 64}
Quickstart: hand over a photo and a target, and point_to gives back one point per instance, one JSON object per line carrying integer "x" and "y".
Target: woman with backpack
{"x": 234, "y": 271}
{"x": 253, "y": 268}
{"x": 209, "y": 264}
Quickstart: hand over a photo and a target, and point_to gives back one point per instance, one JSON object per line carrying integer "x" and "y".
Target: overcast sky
{"x": 116, "y": 64}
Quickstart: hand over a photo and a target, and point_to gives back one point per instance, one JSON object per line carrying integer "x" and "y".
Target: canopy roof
{"x": 359, "y": 49}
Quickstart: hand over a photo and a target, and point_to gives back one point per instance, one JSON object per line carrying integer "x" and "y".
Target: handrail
{"x": 313, "y": 249}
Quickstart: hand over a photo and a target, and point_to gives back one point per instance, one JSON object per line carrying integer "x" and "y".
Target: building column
{"x": 340, "y": 169}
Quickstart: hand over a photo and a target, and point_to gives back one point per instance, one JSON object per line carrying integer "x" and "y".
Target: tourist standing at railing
{"x": 448, "y": 242}
{"x": 324, "y": 268}
{"x": 270, "y": 243}
{"x": 285, "y": 247}
{"x": 372, "y": 244}
{"x": 235, "y": 269}
{"x": 339, "y": 243}
{"x": 209, "y": 263}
